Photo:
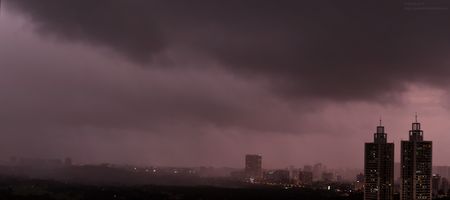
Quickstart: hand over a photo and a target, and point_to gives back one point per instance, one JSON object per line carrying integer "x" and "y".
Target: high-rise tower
{"x": 253, "y": 166}
{"x": 379, "y": 167}
{"x": 416, "y": 166}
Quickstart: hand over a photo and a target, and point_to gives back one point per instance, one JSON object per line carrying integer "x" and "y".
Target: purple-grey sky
{"x": 204, "y": 82}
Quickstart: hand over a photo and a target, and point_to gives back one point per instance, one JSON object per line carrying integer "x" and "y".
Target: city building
{"x": 253, "y": 166}
{"x": 317, "y": 170}
{"x": 277, "y": 176}
{"x": 444, "y": 187}
{"x": 379, "y": 167}
{"x": 307, "y": 168}
{"x": 416, "y": 166}
{"x": 327, "y": 176}
{"x": 443, "y": 171}
{"x": 359, "y": 182}
{"x": 293, "y": 174}
{"x": 339, "y": 178}
{"x": 305, "y": 177}
{"x": 435, "y": 184}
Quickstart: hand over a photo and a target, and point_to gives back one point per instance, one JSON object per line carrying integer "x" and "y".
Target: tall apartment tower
{"x": 416, "y": 166}
{"x": 253, "y": 166}
{"x": 379, "y": 167}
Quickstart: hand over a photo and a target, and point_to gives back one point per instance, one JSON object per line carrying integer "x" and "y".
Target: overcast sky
{"x": 204, "y": 82}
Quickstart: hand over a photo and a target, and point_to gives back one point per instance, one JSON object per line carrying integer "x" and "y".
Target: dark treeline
{"x": 103, "y": 175}
{"x": 24, "y": 189}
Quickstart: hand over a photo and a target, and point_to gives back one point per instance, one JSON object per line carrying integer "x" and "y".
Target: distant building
{"x": 318, "y": 169}
{"x": 416, "y": 162}
{"x": 436, "y": 184}
{"x": 253, "y": 166}
{"x": 339, "y": 179}
{"x": 293, "y": 174}
{"x": 359, "y": 182}
{"x": 278, "y": 176}
{"x": 443, "y": 171}
{"x": 307, "y": 168}
{"x": 379, "y": 167}
{"x": 327, "y": 176}
{"x": 305, "y": 177}
{"x": 360, "y": 177}
{"x": 444, "y": 187}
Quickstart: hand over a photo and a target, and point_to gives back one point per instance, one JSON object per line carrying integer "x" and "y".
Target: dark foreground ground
{"x": 28, "y": 189}
{"x": 12, "y": 189}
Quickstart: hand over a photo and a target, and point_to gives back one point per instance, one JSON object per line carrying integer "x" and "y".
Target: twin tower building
{"x": 416, "y": 167}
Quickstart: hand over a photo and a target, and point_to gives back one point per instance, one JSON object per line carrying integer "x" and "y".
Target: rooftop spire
{"x": 416, "y": 134}
{"x": 380, "y": 136}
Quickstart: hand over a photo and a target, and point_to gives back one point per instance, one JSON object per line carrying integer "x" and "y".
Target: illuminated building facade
{"x": 379, "y": 167}
{"x": 416, "y": 166}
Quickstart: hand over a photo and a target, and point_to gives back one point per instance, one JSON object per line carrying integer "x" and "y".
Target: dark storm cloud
{"x": 205, "y": 91}
{"x": 128, "y": 28}
{"x": 345, "y": 50}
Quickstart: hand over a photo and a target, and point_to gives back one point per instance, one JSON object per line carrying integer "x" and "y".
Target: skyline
{"x": 206, "y": 82}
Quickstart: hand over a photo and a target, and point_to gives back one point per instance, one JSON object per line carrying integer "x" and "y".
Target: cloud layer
{"x": 347, "y": 50}
{"x": 208, "y": 81}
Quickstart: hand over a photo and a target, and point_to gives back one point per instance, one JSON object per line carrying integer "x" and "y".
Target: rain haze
{"x": 204, "y": 82}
